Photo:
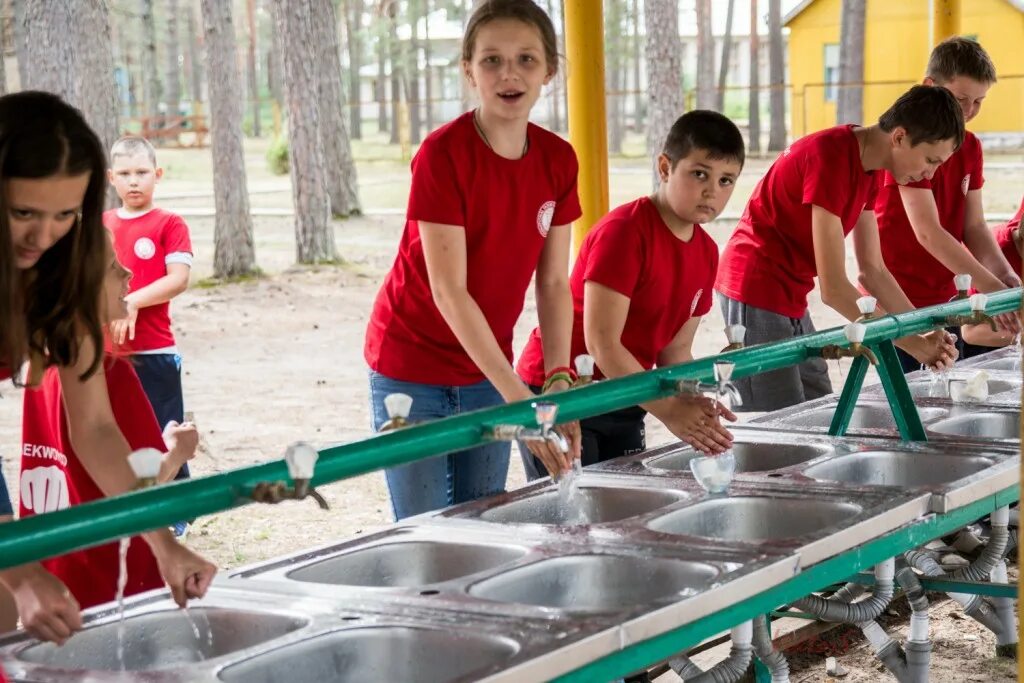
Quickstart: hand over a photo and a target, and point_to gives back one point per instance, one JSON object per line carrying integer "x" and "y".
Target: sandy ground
{"x": 278, "y": 359}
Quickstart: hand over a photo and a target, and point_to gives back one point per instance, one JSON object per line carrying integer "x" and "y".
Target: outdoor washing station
{"x": 504, "y": 589}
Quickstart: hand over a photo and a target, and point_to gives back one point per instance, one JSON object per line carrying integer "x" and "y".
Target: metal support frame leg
{"x": 898, "y": 392}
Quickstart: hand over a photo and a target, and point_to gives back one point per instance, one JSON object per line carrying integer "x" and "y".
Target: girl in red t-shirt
{"x": 1011, "y": 243}
{"x": 52, "y": 268}
{"x": 490, "y": 205}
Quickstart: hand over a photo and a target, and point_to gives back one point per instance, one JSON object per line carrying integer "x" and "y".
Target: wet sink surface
{"x": 755, "y": 519}
{"x": 929, "y": 388}
{"x": 165, "y": 639}
{"x": 750, "y": 457}
{"x": 898, "y": 468}
{"x": 597, "y": 505}
{"x": 597, "y": 583}
{"x": 383, "y": 653}
{"x": 1006, "y": 363}
{"x": 983, "y": 425}
{"x": 864, "y": 417}
{"x": 407, "y": 564}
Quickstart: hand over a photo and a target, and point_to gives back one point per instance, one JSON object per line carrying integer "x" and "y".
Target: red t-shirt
{"x": 633, "y": 252}
{"x": 924, "y": 280}
{"x": 145, "y": 245}
{"x": 506, "y": 208}
{"x": 769, "y": 260}
{"x": 1004, "y": 238}
{"x": 53, "y": 478}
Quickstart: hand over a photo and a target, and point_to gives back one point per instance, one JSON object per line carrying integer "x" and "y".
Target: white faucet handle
{"x": 867, "y": 304}
{"x": 855, "y": 333}
{"x": 301, "y": 459}
{"x": 979, "y": 301}
{"x": 735, "y": 333}
{"x": 962, "y": 282}
{"x": 145, "y": 462}
{"x": 584, "y": 365}
{"x": 723, "y": 370}
{"x": 546, "y": 412}
{"x": 398, "y": 405}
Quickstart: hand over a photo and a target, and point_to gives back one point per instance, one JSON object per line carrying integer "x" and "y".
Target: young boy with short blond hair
{"x": 155, "y": 246}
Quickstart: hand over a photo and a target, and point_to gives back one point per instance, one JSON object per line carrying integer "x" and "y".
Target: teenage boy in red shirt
{"x": 53, "y": 477}
{"x": 640, "y": 285}
{"x": 794, "y": 226}
{"x": 1011, "y": 243}
{"x": 155, "y": 246}
{"x": 924, "y": 226}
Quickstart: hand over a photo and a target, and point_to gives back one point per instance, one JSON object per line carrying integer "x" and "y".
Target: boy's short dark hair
{"x": 704, "y": 130}
{"x": 929, "y": 113}
{"x": 958, "y": 56}
{"x": 132, "y": 144}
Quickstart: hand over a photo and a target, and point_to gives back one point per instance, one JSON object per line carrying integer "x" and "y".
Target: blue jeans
{"x": 160, "y": 376}
{"x": 435, "y": 483}
{"x": 5, "y": 500}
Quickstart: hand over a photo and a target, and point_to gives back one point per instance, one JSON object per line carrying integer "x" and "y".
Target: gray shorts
{"x": 777, "y": 388}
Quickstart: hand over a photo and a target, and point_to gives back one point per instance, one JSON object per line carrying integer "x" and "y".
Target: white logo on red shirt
{"x": 696, "y": 300}
{"x": 144, "y": 248}
{"x": 544, "y": 218}
{"x": 44, "y": 489}
{"x": 965, "y": 184}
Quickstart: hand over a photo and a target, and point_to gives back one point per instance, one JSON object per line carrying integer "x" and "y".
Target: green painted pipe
{"x": 55, "y": 533}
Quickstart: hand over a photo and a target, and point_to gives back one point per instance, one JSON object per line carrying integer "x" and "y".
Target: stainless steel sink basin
{"x": 750, "y": 457}
{"x": 412, "y": 563}
{"x": 898, "y": 468}
{"x": 380, "y": 653}
{"x": 597, "y": 505}
{"x": 1005, "y": 363}
{"x": 865, "y": 416}
{"x": 165, "y": 639}
{"x": 755, "y": 518}
{"x": 928, "y": 388}
{"x": 597, "y": 583}
{"x": 980, "y": 425}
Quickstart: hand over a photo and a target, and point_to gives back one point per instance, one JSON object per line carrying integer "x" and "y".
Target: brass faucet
{"x": 398, "y": 407}
{"x": 722, "y": 386}
{"x": 735, "y": 334}
{"x": 545, "y": 413}
{"x": 963, "y": 286}
{"x": 145, "y": 463}
{"x": 977, "y": 316}
{"x": 301, "y": 460}
{"x": 855, "y": 336}
{"x": 584, "y": 370}
{"x": 866, "y": 305}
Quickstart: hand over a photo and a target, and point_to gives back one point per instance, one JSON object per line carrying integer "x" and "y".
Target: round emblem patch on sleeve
{"x": 965, "y": 184}
{"x": 544, "y": 216}
{"x": 144, "y": 248}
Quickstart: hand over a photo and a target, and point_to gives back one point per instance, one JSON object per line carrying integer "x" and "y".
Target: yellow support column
{"x": 945, "y": 19}
{"x": 584, "y": 46}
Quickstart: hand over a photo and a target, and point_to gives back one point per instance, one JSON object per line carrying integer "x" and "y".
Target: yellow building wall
{"x": 897, "y": 44}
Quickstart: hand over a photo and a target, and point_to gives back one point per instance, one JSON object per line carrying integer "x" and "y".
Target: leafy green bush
{"x": 277, "y": 155}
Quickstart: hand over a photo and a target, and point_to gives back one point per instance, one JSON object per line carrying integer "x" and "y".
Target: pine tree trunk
{"x": 723, "y": 72}
{"x": 705, "y": 57}
{"x": 353, "y": 10}
{"x": 776, "y": 78}
{"x": 3, "y": 66}
{"x": 554, "y": 97}
{"x": 380, "y": 89}
{"x": 850, "y": 99}
{"x": 638, "y": 93}
{"x": 664, "y": 71}
{"x": 339, "y": 165}
{"x": 613, "y": 73}
{"x": 314, "y": 236}
{"x": 20, "y": 48}
{"x": 173, "y": 72}
{"x": 754, "y": 106}
{"x": 412, "y": 73}
{"x": 151, "y": 78}
{"x": 195, "y": 75}
{"x": 395, "y": 57}
{"x": 233, "y": 251}
{"x": 428, "y": 73}
{"x": 250, "y": 68}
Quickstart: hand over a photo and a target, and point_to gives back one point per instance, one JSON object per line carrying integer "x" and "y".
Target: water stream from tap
{"x": 570, "y": 499}
{"x": 122, "y": 582}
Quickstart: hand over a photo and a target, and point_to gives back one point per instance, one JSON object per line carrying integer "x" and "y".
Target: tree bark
{"x": 638, "y": 93}
{"x": 554, "y": 96}
{"x": 19, "y": 10}
{"x": 353, "y": 10}
{"x": 3, "y": 66}
{"x": 723, "y": 72}
{"x": 664, "y": 70}
{"x": 195, "y": 73}
{"x": 151, "y": 78}
{"x": 850, "y": 98}
{"x": 339, "y": 165}
{"x": 380, "y": 89}
{"x": 705, "y": 57}
{"x": 233, "y": 250}
{"x": 395, "y": 57}
{"x": 172, "y": 76}
{"x": 776, "y": 78}
{"x": 428, "y": 71}
{"x": 314, "y": 236}
{"x": 613, "y": 74}
{"x": 68, "y": 50}
{"x": 754, "y": 114}
{"x": 412, "y": 73}
{"x": 250, "y": 67}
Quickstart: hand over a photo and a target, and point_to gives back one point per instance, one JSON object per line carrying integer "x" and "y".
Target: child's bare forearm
{"x": 160, "y": 291}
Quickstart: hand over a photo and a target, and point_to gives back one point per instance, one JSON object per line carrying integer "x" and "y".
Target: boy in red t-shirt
{"x": 641, "y": 283}
{"x": 1011, "y": 243}
{"x": 924, "y": 226}
{"x": 155, "y": 246}
{"x": 794, "y": 227}
{"x": 53, "y": 477}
